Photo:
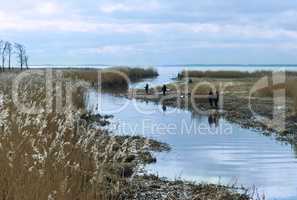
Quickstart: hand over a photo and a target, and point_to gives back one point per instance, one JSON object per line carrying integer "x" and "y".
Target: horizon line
{"x": 164, "y": 65}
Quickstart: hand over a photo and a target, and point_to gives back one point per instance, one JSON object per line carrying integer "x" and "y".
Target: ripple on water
{"x": 245, "y": 157}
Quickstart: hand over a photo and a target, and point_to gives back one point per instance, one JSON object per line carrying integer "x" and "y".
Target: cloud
{"x": 128, "y": 7}
{"x": 48, "y": 8}
{"x": 111, "y": 49}
{"x": 15, "y": 23}
{"x": 156, "y": 26}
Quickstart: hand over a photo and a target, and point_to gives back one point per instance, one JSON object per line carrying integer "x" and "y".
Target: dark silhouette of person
{"x": 216, "y": 119}
{"x": 164, "y": 108}
{"x": 146, "y": 88}
{"x": 213, "y": 119}
{"x": 217, "y": 98}
{"x": 164, "y": 89}
{"x": 210, "y": 98}
{"x": 210, "y": 120}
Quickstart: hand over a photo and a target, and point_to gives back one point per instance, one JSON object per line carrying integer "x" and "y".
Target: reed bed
{"x": 55, "y": 153}
{"x": 229, "y": 74}
{"x": 112, "y": 78}
{"x": 42, "y": 155}
{"x": 290, "y": 87}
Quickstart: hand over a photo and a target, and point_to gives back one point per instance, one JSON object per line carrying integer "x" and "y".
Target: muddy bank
{"x": 149, "y": 187}
{"x": 235, "y": 109}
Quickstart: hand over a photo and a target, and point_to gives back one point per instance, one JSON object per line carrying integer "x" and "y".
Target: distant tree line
{"x": 11, "y": 53}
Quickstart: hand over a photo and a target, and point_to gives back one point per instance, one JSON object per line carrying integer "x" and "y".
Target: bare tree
{"x": 26, "y": 59}
{"x": 1, "y": 50}
{"x": 4, "y": 54}
{"x": 21, "y": 54}
{"x": 9, "y": 52}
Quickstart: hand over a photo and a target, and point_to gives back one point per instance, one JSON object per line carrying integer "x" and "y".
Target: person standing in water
{"x": 164, "y": 89}
{"x": 146, "y": 88}
{"x": 210, "y": 98}
{"x": 217, "y": 98}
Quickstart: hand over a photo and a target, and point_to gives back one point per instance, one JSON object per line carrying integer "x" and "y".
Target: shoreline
{"x": 101, "y": 162}
{"x": 141, "y": 185}
{"x": 234, "y": 109}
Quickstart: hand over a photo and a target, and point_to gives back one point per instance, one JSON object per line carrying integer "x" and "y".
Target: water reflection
{"x": 213, "y": 119}
{"x": 200, "y": 153}
{"x": 164, "y": 108}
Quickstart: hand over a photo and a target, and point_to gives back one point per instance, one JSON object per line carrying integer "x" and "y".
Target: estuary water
{"x": 204, "y": 148}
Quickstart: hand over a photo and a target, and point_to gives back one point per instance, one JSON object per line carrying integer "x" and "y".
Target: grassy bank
{"x": 60, "y": 149}
{"x": 64, "y": 149}
{"x": 228, "y": 74}
{"x": 289, "y": 86}
{"x": 236, "y": 103}
{"x": 242, "y": 83}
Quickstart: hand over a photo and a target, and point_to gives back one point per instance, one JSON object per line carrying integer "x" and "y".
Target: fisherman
{"x": 164, "y": 108}
{"x": 210, "y": 98}
{"x": 217, "y": 98}
{"x": 146, "y": 88}
{"x": 179, "y": 76}
{"x": 164, "y": 89}
{"x": 210, "y": 120}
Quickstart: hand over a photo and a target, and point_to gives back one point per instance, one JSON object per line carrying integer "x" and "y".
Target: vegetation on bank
{"x": 115, "y": 78}
{"x": 289, "y": 86}
{"x": 237, "y": 105}
{"x": 67, "y": 152}
{"x": 243, "y": 84}
{"x": 228, "y": 74}
{"x": 60, "y": 149}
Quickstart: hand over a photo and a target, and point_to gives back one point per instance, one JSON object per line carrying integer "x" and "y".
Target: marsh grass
{"x": 112, "y": 78}
{"x": 248, "y": 78}
{"x": 290, "y": 87}
{"x": 57, "y": 155}
{"x": 229, "y": 74}
{"x": 42, "y": 155}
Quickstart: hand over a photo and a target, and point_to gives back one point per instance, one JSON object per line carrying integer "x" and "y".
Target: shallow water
{"x": 222, "y": 153}
{"x": 204, "y": 148}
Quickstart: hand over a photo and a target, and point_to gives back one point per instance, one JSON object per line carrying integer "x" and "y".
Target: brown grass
{"x": 290, "y": 86}
{"x": 112, "y": 78}
{"x": 53, "y": 155}
{"x": 56, "y": 155}
{"x": 228, "y": 74}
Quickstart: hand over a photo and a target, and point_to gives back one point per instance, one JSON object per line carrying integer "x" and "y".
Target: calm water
{"x": 204, "y": 148}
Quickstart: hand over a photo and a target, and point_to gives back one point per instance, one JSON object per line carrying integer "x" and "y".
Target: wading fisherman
{"x": 146, "y": 88}
{"x": 217, "y": 98}
{"x": 164, "y": 89}
{"x": 210, "y": 98}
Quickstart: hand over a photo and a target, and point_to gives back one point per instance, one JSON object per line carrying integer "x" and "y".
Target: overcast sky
{"x": 153, "y": 31}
